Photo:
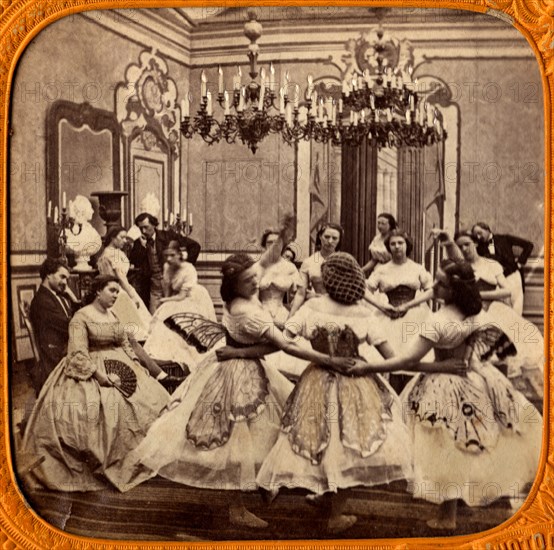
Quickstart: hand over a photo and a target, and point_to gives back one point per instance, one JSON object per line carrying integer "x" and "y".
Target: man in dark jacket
{"x": 51, "y": 309}
{"x": 147, "y": 256}
{"x": 501, "y": 248}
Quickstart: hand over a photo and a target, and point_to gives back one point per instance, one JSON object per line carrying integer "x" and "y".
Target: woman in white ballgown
{"x": 524, "y": 359}
{"x": 475, "y": 437}
{"x": 223, "y": 420}
{"x": 182, "y": 293}
{"x": 278, "y": 278}
{"x": 338, "y": 431}
{"x": 399, "y": 291}
{"x": 329, "y": 239}
{"x": 128, "y": 308}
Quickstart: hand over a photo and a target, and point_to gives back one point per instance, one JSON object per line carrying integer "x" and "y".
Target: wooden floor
{"x": 163, "y": 510}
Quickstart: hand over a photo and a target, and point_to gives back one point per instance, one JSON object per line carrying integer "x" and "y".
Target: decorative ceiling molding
{"x": 149, "y": 28}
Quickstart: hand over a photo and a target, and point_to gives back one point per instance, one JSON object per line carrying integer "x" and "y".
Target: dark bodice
{"x": 400, "y": 294}
{"x": 336, "y": 342}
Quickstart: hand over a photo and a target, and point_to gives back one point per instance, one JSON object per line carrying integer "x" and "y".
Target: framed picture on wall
{"x": 334, "y": 329}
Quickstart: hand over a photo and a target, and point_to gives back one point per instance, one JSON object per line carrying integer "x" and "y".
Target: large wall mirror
{"x": 83, "y": 154}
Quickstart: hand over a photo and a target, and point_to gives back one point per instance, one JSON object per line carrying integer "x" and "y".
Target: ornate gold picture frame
{"x": 532, "y": 527}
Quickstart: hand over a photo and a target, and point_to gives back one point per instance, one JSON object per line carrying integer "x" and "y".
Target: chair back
{"x": 24, "y": 308}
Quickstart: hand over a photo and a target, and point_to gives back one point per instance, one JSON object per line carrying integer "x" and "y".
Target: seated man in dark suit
{"x": 51, "y": 310}
{"x": 147, "y": 256}
{"x": 501, "y": 248}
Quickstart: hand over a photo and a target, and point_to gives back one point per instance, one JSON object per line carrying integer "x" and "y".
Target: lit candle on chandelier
{"x": 209, "y": 104}
{"x": 289, "y": 114}
{"x": 226, "y": 96}
{"x": 320, "y": 109}
{"x": 178, "y": 209}
{"x": 412, "y": 102}
{"x": 220, "y": 79}
{"x": 49, "y": 212}
{"x": 190, "y": 219}
{"x": 236, "y": 79}
{"x": 271, "y": 77}
{"x": 310, "y": 86}
{"x": 296, "y": 96}
{"x": 203, "y": 84}
{"x": 334, "y": 113}
{"x": 55, "y": 214}
{"x": 64, "y": 198}
{"x": 184, "y": 108}
{"x": 166, "y": 216}
{"x": 262, "y": 93}
{"x": 285, "y": 80}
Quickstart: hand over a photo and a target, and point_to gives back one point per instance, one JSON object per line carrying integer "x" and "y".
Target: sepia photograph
{"x": 277, "y": 273}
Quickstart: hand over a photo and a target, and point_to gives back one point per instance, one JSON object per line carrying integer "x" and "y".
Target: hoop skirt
{"x": 164, "y": 344}
{"x": 338, "y": 431}
{"x": 84, "y": 430}
{"x": 221, "y": 422}
{"x": 475, "y": 437}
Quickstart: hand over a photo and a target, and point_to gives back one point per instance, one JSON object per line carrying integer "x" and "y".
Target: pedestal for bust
{"x": 110, "y": 207}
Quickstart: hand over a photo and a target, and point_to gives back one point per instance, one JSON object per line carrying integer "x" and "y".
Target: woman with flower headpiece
{"x": 97, "y": 404}
{"x": 475, "y": 437}
{"x": 223, "y": 420}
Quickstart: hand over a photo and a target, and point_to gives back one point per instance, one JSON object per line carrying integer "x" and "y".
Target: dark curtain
{"x": 359, "y": 199}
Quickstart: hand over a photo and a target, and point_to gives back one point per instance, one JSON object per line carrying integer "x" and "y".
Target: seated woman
{"x": 399, "y": 290}
{"x": 524, "y": 354}
{"x": 97, "y": 404}
{"x": 377, "y": 249}
{"x": 182, "y": 293}
{"x": 128, "y": 308}
{"x": 470, "y": 438}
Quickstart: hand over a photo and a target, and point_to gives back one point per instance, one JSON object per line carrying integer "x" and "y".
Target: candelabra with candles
{"x": 177, "y": 224}
{"x": 381, "y": 105}
{"x": 182, "y": 226}
{"x": 58, "y": 227}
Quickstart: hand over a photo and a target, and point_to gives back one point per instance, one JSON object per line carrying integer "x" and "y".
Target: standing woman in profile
{"x": 378, "y": 251}
{"x": 328, "y": 240}
{"x": 128, "y": 308}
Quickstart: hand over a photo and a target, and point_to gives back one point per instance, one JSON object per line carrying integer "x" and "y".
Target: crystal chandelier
{"x": 379, "y": 103}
